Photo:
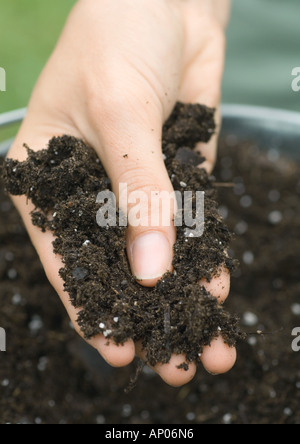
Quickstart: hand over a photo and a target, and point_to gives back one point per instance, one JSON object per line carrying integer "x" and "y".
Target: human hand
{"x": 113, "y": 80}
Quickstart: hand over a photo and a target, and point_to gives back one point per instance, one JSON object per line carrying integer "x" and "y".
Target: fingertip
{"x": 219, "y": 286}
{"x": 209, "y": 152}
{"x": 218, "y": 358}
{"x": 174, "y": 373}
{"x": 116, "y": 355}
{"x": 207, "y": 165}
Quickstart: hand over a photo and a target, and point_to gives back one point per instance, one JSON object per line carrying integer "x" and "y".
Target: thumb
{"x": 133, "y": 159}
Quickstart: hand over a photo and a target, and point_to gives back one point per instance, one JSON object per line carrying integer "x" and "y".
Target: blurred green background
{"x": 29, "y": 30}
{"x": 263, "y": 47}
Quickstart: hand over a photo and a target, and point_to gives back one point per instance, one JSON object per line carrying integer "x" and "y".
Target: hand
{"x": 117, "y": 71}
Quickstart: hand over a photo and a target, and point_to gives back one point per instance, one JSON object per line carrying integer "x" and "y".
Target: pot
{"x": 273, "y": 128}
{"x": 268, "y": 128}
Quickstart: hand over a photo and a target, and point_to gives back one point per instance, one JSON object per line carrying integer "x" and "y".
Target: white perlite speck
{"x": 274, "y": 195}
{"x": 296, "y": 309}
{"x": 275, "y": 217}
{"x": 107, "y": 333}
{"x": 223, "y": 211}
{"x": 248, "y": 257}
{"x": 252, "y": 341}
{"x": 42, "y": 364}
{"x": 241, "y": 227}
{"x": 191, "y": 416}
{"x": 227, "y": 419}
{"x": 36, "y": 324}
{"x": 16, "y": 299}
{"x": 100, "y": 419}
{"x": 250, "y": 319}
{"x": 12, "y": 274}
{"x": 126, "y": 410}
{"x": 246, "y": 201}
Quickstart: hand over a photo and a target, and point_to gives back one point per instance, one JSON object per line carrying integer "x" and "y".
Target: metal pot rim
{"x": 260, "y": 124}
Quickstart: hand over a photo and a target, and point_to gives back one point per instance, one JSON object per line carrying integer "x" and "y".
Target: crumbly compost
{"x": 176, "y": 316}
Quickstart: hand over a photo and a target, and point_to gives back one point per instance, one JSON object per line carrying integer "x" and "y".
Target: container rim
{"x": 260, "y": 113}
{"x": 278, "y": 127}
{"x": 268, "y": 128}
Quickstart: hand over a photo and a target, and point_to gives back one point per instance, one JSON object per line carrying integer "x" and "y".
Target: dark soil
{"x": 177, "y": 316}
{"x": 48, "y": 376}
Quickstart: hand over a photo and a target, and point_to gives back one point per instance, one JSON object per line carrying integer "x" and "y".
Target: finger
{"x": 117, "y": 356}
{"x": 209, "y": 150}
{"x": 113, "y": 354}
{"x": 218, "y": 358}
{"x": 130, "y": 148}
{"x": 202, "y": 84}
{"x": 219, "y": 286}
{"x": 172, "y": 373}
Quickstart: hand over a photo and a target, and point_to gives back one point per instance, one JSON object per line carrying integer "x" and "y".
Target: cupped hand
{"x": 115, "y": 75}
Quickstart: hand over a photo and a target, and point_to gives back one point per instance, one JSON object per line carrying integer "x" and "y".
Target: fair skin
{"x": 116, "y": 73}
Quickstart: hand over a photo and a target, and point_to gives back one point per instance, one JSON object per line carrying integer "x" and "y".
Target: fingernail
{"x": 151, "y": 256}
